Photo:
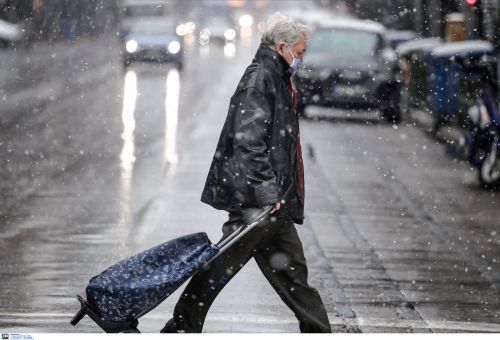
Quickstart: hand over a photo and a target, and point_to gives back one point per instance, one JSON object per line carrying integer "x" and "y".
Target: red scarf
{"x": 300, "y": 164}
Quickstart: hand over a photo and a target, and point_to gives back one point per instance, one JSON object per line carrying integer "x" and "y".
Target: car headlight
{"x": 378, "y": 75}
{"x": 190, "y": 27}
{"x": 174, "y": 47}
{"x": 230, "y": 34}
{"x": 205, "y": 33}
{"x": 131, "y": 46}
{"x": 181, "y": 30}
{"x": 246, "y": 20}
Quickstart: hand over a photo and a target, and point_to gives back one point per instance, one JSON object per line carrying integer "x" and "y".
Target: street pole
{"x": 418, "y": 16}
{"x": 489, "y": 22}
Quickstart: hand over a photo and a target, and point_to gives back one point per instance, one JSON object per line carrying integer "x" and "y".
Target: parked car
{"x": 397, "y": 37}
{"x": 309, "y": 14}
{"x": 10, "y": 33}
{"x": 349, "y": 64}
{"x": 152, "y": 39}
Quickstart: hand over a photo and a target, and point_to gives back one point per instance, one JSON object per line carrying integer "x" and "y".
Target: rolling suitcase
{"x": 127, "y": 290}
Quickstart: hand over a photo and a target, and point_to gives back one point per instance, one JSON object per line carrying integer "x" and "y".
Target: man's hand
{"x": 276, "y": 207}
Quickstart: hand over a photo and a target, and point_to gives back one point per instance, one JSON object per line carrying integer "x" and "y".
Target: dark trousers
{"x": 277, "y": 249}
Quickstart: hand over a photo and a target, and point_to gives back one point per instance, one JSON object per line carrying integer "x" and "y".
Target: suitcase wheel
{"x": 107, "y": 326}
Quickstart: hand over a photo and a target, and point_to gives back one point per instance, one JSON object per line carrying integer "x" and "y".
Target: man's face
{"x": 298, "y": 50}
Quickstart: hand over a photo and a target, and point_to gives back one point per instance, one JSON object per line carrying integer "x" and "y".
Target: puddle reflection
{"x": 171, "y": 117}
{"x": 246, "y": 36}
{"x": 127, "y": 156}
{"x": 229, "y": 50}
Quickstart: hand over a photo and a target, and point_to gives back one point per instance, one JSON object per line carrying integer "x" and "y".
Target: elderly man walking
{"x": 258, "y": 163}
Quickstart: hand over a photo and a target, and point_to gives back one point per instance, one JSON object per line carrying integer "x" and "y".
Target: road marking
{"x": 458, "y": 326}
{"x": 432, "y": 324}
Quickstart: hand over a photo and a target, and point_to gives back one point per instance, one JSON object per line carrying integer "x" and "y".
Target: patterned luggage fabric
{"x": 134, "y": 286}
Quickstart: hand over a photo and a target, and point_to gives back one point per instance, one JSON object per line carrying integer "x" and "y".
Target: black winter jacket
{"x": 255, "y": 161}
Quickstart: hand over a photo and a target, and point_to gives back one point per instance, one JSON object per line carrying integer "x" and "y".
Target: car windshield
{"x": 152, "y": 27}
{"x": 217, "y": 22}
{"x": 344, "y": 42}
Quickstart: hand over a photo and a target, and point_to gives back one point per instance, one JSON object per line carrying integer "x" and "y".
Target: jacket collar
{"x": 266, "y": 55}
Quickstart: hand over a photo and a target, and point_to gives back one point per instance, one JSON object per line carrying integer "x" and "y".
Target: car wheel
{"x": 489, "y": 172}
{"x": 405, "y": 104}
{"x": 301, "y": 110}
{"x": 392, "y": 115}
{"x": 391, "y": 107}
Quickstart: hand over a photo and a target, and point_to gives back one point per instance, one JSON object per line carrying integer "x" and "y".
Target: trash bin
{"x": 453, "y": 86}
{"x": 68, "y": 28}
{"x": 454, "y": 27}
{"x": 414, "y": 58}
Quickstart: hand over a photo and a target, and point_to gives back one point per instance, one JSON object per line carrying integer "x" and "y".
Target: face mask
{"x": 296, "y": 62}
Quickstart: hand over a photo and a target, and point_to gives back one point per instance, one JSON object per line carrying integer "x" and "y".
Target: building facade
{"x": 481, "y": 18}
{"x": 428, "y": 17}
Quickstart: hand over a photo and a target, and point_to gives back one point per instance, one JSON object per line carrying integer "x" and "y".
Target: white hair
{"x": 282, "y": 28}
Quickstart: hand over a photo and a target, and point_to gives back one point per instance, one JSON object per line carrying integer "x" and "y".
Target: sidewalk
{"x": 410, "y": 241}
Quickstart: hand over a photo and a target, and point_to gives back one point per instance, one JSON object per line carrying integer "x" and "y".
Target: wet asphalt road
{"x": 398, "y": 236}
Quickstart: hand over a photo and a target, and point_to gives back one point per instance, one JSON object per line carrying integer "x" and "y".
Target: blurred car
{"x": 349, "y": 64}
{"x": 152, "y": 39}
{"x": 10, "y": 33}
{"x": 217, "y": 29}
{"x": 397, "y": 37}
{"x": 310, "y": 14}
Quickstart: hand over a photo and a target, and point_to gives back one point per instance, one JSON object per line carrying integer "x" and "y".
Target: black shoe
{"x": 170, "y": 327}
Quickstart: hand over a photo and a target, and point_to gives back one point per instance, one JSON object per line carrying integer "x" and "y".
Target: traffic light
{"x": 472, "y": 2}
{"x": 474, "y": 6}
{"x": 476, "y": 10}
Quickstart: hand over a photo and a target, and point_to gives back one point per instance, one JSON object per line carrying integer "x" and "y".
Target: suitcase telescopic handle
{"x": 240, "y": 232}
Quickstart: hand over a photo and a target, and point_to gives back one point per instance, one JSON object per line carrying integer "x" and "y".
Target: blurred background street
{"x": 110, "y": 112}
